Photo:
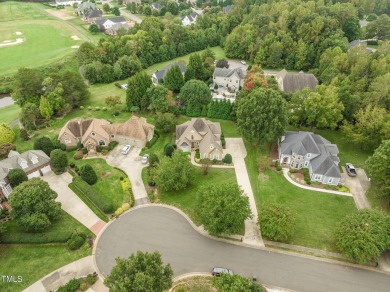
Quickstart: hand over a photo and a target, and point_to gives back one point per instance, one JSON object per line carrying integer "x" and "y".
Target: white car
{"x": 243, "y": 62}
{"x": 126, "y": 149}
{"x": 145, "y": 159}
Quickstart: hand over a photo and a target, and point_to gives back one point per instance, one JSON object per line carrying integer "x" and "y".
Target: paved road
{"x": 6, "y": 101}
{"x": 154, "y": 227}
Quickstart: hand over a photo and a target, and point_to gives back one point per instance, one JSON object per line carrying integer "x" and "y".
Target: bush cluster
{"x": 88, "y": 174}
{"x": 228, "y": 159}
{"x": 306, "y": 176}
{"x": 150, "y": 143}
{"x": 78, "y": 155}
{"x": 71, "y": 286}
{"x": 76, "y": 241}
{"x": 95, "y": 196}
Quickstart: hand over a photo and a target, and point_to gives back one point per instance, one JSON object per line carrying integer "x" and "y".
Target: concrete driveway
{"x": 236, "y": 147}
{"x": 358, "y": 186}
{"x": 71, "y": 203}
{"x": 132, "y": 166}
{"x": 152, "y": 228}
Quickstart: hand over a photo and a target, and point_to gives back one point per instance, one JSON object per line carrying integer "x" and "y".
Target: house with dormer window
{"x": 308, "y": 150}
{"x": 201, "y": 134}
{"x": 33, "y": 163}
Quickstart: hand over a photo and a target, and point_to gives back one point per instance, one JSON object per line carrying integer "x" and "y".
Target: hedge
{"x": 95, "y": 196}
{"x": 150, "y": 143}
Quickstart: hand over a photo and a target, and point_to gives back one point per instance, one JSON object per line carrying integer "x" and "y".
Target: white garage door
{"x": 34, "y": 174}
{"x": 185, "y": 148}
{"x": 46, "y": 169}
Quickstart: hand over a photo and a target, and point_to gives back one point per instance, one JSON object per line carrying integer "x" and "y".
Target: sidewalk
{"x": 285, "y": 173}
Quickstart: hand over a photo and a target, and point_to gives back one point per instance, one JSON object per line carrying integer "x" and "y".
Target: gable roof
{"x": 135, "y": 127}
{"x": 301, "y": 143}
{"x": 117, "y": 19}
{"x": 93, "y": 13}
{"x": 117, "y": 26}
{"x": 76, "y": 127}
{"x": 15, "y": 159}
{"x": 293, "y": 81}
{"x": 100, "y": 21}
{"x": 227, "y": 9}
{"x": 161, "y": 73}
{"x": 226, "y": 72}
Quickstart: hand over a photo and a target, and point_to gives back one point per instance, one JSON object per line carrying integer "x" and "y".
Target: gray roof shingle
{"x": 160, "y": 75}
{"x": 293, "y": 81}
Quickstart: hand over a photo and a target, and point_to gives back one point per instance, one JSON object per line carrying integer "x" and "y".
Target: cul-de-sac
{"x": 195, "y": 145}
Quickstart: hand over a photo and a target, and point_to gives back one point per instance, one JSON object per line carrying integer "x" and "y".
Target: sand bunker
{"x": 75, "y": 47}
{"x": 18, "y": 33}
{"x": 9, "y": 43}
{"x": 75, "y": 38}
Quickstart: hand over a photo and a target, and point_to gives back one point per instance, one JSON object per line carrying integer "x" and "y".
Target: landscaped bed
{"x": 195, "y": 284}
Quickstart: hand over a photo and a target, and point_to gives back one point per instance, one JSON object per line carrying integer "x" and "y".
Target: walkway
{"x": 236, "y": 147}
{"x": 132, "y": 166}
{"x": 285, "y": 173}
{"x": 155, "y": 228}
{"x": 71, "y": 203}
{"x": 76, "y": 269}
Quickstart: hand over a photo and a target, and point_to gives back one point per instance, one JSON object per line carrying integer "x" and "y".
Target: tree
{"x": 363, "y": 236}
{"x": 168, "y": 150}
{"x": 45, "y": 108}
{"x": 174, "y": 79}
{"x": 157, "y": 96}
{"x": 86, "y": 53}
{"x": 194, "y": 94}
{"x": 129, "y": 65}
{"x": 165, "y": 122}
{"x": 44, "y": 144}
{"x": 6, "y": 134}
{"x": 153, "y": 160}
{"x": 58, "y": 161}
{"x": 5, "y": 149}
{"x": 222, "y": 63}
{"x": 116, "y": 11}
{"x": 378, "y": 167}
{"x": 137, "y": 87}
{"x": 113, "y": 100}
{"x": 93, "y": 28}
{"x": 16, "y": 177}
{"x": 88, "y": 174}
{"x": 196, "y": 65}
{"x": 228, "y": 283}
{"x": 27, "y": 86}
{"x": 277, "y": 222}
{"x": 261, "y": 115}
{"x": 223, "y": 208}
{"x": 29, "y": 115}
{"x": 228, "y": 158}
{"x": 106, "y": 8}
{"x": 142, "y": 272}
{"x": 174, "y": 174}
{"x": 33, "y": 205}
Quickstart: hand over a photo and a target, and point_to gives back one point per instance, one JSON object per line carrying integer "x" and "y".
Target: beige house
{"x": 229, "y": 78}
{"x": 291, "y": 81}
{"x": 93, "y": 132}
{"x": 201, "y": 134}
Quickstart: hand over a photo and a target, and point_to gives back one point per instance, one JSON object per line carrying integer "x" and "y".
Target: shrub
{"x": 168, "y": 150}
{"x": 78, "y": 155}
{"x": 151, "y": 183}
{"x": 58, "y": 161}
{"x": 71, "y": 286}
{"x": 104, "y": 109}
{"x": 5, "y": 149}
{"x": 44, "y": 144}
{"x": 278, "y": 168}
{"x": 197, "y": 154}
{"x": 372, "y": 17}
{"x": 276, "y": 163}
{"x": 72, "y": 165}
{"x": 97, "y": 108}
{"x": 121, "y": 178}
{"x": 293, "y": 171}
{"x": 83, "y": 287}
{"x": 112, "y": 145}
{"x": 118, "y": 85}
{"x": 6, "y": 134}
{"x": 91, "y": 279}
{"x": 84, "y": 150}
{"x": 125, "y": 183}
{"x": 99, "y": 148}
{"x": 118, "y": 212}
{"x": 115, "y": 113}
{"x": 125, "y": 206}
{"x": 76, "y": 241}
{"x": 214, "y": 161}
{"x": 228, "y": 159}
{"x": 24, "y": 134}
{"x": 105, "y": 151}
{"x": 81, "y": 107}
{"x": 95, "y": 196}
{"x": 88, "y": 174}
{"x": 16, "y": 177}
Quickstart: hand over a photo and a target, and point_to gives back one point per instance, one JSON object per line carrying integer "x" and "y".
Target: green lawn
{"x": 46, "y": 39}
{"x": 59, "y": 231}
{"x": 108, "y": 183}
{"x": 33, "y": 262}
{"x": 9, "y": 113}
{"x": 186, "y": 199}
{"x": 317, "y": 213}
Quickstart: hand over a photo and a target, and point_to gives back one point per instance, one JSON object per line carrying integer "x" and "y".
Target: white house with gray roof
{"x": 33, "y": 163}
{"x": 159, "y": 76}
{"x": 229, "y": 78}
{"x": 189, "y": 19}
{"x": 308, "y": 150}
{"x": 84, "y": 7}
{"x": 107, "y": 23}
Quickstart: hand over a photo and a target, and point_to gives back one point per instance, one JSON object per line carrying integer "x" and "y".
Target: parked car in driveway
{"x": 351, "y": 170}
{"x": 145, "y": 159}
{"x": 217, "y": 271}
{"x": 126, "y": 149}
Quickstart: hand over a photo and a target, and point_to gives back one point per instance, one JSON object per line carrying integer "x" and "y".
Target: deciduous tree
{"x": 194, "y": 94}
{"x": 44, "y": 144}
{"x": 29, "y": 115}
{"x": 223, "y": 208}
{"x": 174, "y": 79}
{"x": 16, "y": 177}
{"x": 33, "y": 205}
{"x": 113, "y": 100}
{"x": 6, "y": 134}
{"x": 165, "y": 122}
{"x": 5, "y": 149}
{"x": 157, "y": 96}
{"x": 58, "y": 161}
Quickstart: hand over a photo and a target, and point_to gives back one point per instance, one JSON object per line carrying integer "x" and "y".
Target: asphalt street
{"x": 162, "y": 229}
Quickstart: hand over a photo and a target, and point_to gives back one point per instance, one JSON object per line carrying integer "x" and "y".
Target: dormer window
{"x": 34, "y": 159}
{"x": 93, "y": 134}
{"x": 211, "y": 146}
{"x": 308, "y": 155}
{"x": 23, "y": 164}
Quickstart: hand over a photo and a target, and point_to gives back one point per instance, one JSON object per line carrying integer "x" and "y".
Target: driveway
{"x": 132, "y": 166}
{"x": 236, "y": 147}
{"x": 71, "y": 203}
{"x": 133, "y": 17}
{"x": 358, "y": 186}
{"x": 152, "y": 228}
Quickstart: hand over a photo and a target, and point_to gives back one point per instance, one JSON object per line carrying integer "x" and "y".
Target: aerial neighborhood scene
{"x": 195, "y": 145}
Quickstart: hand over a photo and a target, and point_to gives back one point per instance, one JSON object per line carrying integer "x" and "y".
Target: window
{"x": 93, "y": 134}
{"x": 306, "y": 163}
{"x": 211, "y": 146}
{"x": 293, "y": 155}
{"x": 330, "y": 180}
{"x": 23, "y": 164}
{"x": 112, "y": 136}
{"x": 34, "y": 160}
{"x": 102, "y": 143}
{"x": 308, "y": 155}
{"x": 216, "y": 156}
{"x": 67, "y": 141}
{"x": 317, "y": 177}
{"x": 192, "y": 137}
{"x": 205, "y": 156}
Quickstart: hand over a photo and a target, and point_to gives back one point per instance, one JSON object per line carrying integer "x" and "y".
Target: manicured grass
{"x": 108, "y": 183}
{"x": 158, "y": 147}
{"x": 379, "y": 202}
{"x": 195, "y": 284}
{"x": 317, "y": 213}
{"x": 33, "y": 262}
{"x": 9, "y": 113}
{"x": 186, "y": 199}
{"x": 46, "y": 39}
{"x": 59, "y": 231}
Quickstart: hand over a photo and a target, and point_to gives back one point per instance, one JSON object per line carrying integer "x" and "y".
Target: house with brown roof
{"x": 290, "y": 82}
{"x": 93, "y": 132}
{"x": 202, "y": 134}
{"x": 32, "y": 162}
